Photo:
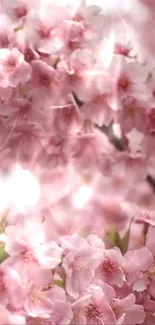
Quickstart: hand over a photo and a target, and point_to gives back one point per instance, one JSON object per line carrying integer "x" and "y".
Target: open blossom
{"x": 44, "y": 83}
{"x": 93, "y": 308}
{"x": 13, "y": 69}
{"x": 130, "y": 77}
{"x": 128, "y": 311}
{"x": 76, "y": 73}
{"x": 66, "y": 119}
{"x": 140, "y": 265}
{"x": 111, "y": 269}
{"x": 22, "y": 109}
{"x": 10, "y": 287}
{"x": 31, "y": 244}
{"x": 60, "y": 312}
{"x": 79, "y": 264}
{"x": 98, "y": 110}
{"x": 47, "y": 303}
{"x": 47, "y": 35}
{"x": 133, "y": 114}
{"x": 18, "y": 10}
{"x": 36, "y": 284}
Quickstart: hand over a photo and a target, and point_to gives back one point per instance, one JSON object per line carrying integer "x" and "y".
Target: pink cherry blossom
{"x": 10, "y": 287}
{"x": 137, "y": 269}
{"x": 111, "y": 269}
{"x": 66, "y": 119}
{"x": 21, "y": 113}
{"x": 32, "y": 245}
{"x": 37, "y": 301}
{"x": 93, "y": 308}
{"x": 128, "y": 311}
{"x": 47, "y": 35}
{"x": 130, "y": 77}
{"x": 19, "y": 9}
{"x": 99, "y": 309}
{"x": 79, "y": 264}
{"x": 44, "y": 83}
{"x": 133, "y": 115}
{"x": 98, "y": 110}
{"x": 61, "y": 312}
{"x": 13, "y": 69}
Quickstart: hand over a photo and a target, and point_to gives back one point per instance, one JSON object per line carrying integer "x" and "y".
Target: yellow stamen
{"x": 17, "y": 29}
{"x": 151, "y": 272}
{"x": 36, "y": 295}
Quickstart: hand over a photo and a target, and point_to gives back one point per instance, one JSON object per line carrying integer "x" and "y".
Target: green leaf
{"x": 59, "y": 283}
{"x": 117, "y": 241}
{"x": 3, "y": 254}
{"x": 114, "y": 237}
{"x": 125, "y": 241}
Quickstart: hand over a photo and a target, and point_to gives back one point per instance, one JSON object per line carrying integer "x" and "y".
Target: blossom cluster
{"x": 77, "y": 163}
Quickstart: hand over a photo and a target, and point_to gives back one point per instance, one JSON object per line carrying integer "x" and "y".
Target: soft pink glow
{"x": 77, "y": 162}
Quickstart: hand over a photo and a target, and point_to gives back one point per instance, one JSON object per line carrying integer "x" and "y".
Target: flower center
{"x": 107, "y": 267}
{"x": 29, "y": 256}
{"x": 44, "y": 80}
{"x": 29, "y": 56}
{"x": 123, "y": 83}
{"x": 36, "y": 295}
{"x": 92, "y": 311}
{"x": 122, "y": 49}
{"x": 20, "y": 12}
{"x": 81, "y": 266}
{"x": 44, "y": 31}
{"x": 10, "y": 64}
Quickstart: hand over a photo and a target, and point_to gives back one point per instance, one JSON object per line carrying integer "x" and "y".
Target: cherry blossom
{"x": 66, "y": 119}
{"x": 30, "y": 246}
{"x": 10, "y": 287}
{"x": 77, "y": 161}
{"x": 138, "y": 273}
{"x": 111, "y": 269}
{"x": 129, "y": 312}
{"x": 93, "y": 308}
{"x": 79, "y": 265}
{"x": 45, "y": 82}
{"x": 134, "y": 114}
{"x": 13, "y": 69}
